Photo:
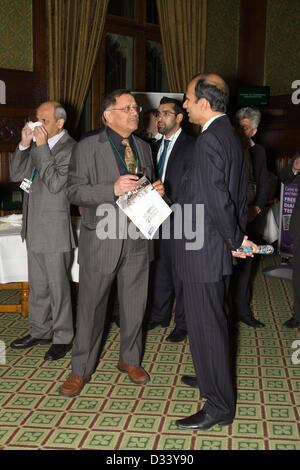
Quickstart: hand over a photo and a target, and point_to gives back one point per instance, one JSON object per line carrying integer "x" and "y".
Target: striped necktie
{"x": 162, "y": 158}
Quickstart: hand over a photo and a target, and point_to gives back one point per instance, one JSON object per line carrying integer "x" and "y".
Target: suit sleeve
{"x": 80, "y": 190}
{"x": 286, "y": 175}
{"x": 20, "y": 165}
{"x": 219, "y": 207}
{"x": 261, "y": 176}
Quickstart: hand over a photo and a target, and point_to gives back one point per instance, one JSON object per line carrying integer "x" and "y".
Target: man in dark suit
{"x": 47, "y": 229}
{"x": 101, "y": 169}
{"x": 291, "y": 174}
{"x": 216, "y": 181}
{"x": 173, "y": 155}
{"x": 246, "y": 122}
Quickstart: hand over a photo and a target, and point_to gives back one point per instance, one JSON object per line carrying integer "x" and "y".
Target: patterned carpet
{"x": 114, "y": 414}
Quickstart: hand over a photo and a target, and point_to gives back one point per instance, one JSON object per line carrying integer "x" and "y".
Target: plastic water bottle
{"x": 262, "y": 250}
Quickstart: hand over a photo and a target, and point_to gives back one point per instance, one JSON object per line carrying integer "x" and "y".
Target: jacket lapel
{"x": 107, "y": 155}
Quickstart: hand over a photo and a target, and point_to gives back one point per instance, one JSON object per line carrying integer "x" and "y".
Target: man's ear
{"x": 254, "y": 132}
{"x": 106, "y": 116}
{"x": 60, "y": 123}
{"x": 179, "y": 117}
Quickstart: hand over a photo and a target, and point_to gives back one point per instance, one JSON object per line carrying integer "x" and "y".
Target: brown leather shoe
{"x": 136, "y": 374}
{"x": 73, "y": 385}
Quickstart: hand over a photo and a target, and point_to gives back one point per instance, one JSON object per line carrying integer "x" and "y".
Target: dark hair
{"x": 217, "y": 98}
{"x": 151, "y": 111}
{"x": 177, "y": 104}
{"x": 110, "y": 99}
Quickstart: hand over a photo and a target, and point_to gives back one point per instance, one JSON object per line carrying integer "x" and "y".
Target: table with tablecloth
{"x": 13, "y": 264}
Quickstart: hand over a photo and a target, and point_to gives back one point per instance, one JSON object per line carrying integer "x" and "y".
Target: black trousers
{"x": 166, "y": 286}
{"x": 207, "y": 325}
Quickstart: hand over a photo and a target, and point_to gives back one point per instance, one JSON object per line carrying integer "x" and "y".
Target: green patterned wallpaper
{"x": 222, "y": 38}
{"x": 282, "y": 65}
{"x": 16, "y": 49}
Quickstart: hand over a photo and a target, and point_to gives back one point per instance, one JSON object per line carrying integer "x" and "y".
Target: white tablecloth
{"x": 13, "y": 256}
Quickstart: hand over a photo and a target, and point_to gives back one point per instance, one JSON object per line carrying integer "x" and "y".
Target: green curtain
{"x": 75, "y": 29}
{"x": 183, "y": 30}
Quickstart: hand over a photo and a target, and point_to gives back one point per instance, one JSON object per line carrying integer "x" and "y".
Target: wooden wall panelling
{"x": 24, "y": 90}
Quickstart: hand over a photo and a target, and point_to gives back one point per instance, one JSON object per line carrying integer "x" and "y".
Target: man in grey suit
{"x": 99, "y": 173}
{"x": 47, "y": 229}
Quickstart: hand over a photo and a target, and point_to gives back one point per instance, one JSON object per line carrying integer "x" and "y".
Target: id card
{"x": 26, "y": 185}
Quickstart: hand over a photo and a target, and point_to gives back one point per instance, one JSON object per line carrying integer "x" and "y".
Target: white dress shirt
{"x": 170, "y": 147}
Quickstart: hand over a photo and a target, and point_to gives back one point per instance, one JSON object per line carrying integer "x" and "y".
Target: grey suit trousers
{"x": 50, "y": 307}
{"x": 132, "y": 274}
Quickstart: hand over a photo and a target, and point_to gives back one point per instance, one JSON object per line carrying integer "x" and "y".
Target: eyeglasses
{"x": 164, "y": 113}
{"x": 128, "y": 109}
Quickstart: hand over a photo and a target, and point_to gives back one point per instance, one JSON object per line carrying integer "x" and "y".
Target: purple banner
{"x": 287, "y": 201}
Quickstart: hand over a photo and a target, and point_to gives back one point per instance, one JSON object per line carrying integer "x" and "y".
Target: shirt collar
{"x": 53, "y": 140}
{"x": 208, "y": 123}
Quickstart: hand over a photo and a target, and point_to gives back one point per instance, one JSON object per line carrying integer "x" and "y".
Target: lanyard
{"x": 33, "y": 175}
{"x": 121, "y": 158}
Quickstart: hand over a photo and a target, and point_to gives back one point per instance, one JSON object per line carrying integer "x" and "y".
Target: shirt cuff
{"x": 23, "y": 148}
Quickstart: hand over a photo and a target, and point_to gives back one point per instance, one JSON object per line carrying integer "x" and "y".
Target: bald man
{"x": 215, "y": 180}
{"x": 42, "y": 158}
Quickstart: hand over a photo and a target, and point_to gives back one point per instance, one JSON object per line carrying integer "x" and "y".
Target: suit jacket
{"x": 179, "y": 159}
{"x": 288, "y": 177}
{"x": 261, "y": 175}
{"x": 93, "y": 171}
{"x": 46, "y": 209}
{"x": 216, "y": 179}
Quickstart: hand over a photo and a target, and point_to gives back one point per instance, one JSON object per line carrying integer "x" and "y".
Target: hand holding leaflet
{"x": 145, "y": 207}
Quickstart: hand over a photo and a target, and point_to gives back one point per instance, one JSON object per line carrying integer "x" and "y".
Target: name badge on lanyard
{"x": 26, "y": 184}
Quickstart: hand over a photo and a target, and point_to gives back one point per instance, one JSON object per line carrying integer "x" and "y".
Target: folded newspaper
{"x": 145, "y": 208}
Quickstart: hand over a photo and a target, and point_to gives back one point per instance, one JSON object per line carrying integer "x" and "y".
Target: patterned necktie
{"x": 129, "y": 157}
{"x": 162, "y": 158}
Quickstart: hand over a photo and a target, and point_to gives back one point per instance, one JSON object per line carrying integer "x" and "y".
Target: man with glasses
{"x": 102, "y": 168}
{"x": 173, "y": 156}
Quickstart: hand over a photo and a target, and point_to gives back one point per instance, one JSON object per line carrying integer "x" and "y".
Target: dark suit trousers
{"x": 240, "y": 289}
{"x": 165, "y": 286}
{"x": 207, "y": 325}
{"x": 132, "y": 276}
{"x": 241, "y": 279}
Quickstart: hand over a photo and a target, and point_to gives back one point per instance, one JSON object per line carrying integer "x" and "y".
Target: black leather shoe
{"x": 201, "y": 421}
{"x": 292, "y": 323}
{"x": 57, "y": 351}
{"x": 176, "y": 335}
{"x": 27, "y": 342}
{"x": 251, "y": 321}
{"x": 190, "y": 380}
{"x": 153, "y": 324}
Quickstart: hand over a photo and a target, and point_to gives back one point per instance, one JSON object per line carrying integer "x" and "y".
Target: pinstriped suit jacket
{"x": 216, "y": 179}
{"x": 92, "y": 173}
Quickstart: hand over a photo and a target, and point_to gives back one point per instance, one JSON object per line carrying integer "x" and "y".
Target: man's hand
{"x": 246, "y": 243}
{"x": 253, "y": 211}
{"x": 41, "y": 135}
{"x": 125, "y": 183}
{"x": 26, "y": 136}
{"x": 159, "y": 187}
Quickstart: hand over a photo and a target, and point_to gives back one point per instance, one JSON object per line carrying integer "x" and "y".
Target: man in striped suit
{"x": 99, "y": 172}
{"x": 215, "y": 180}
